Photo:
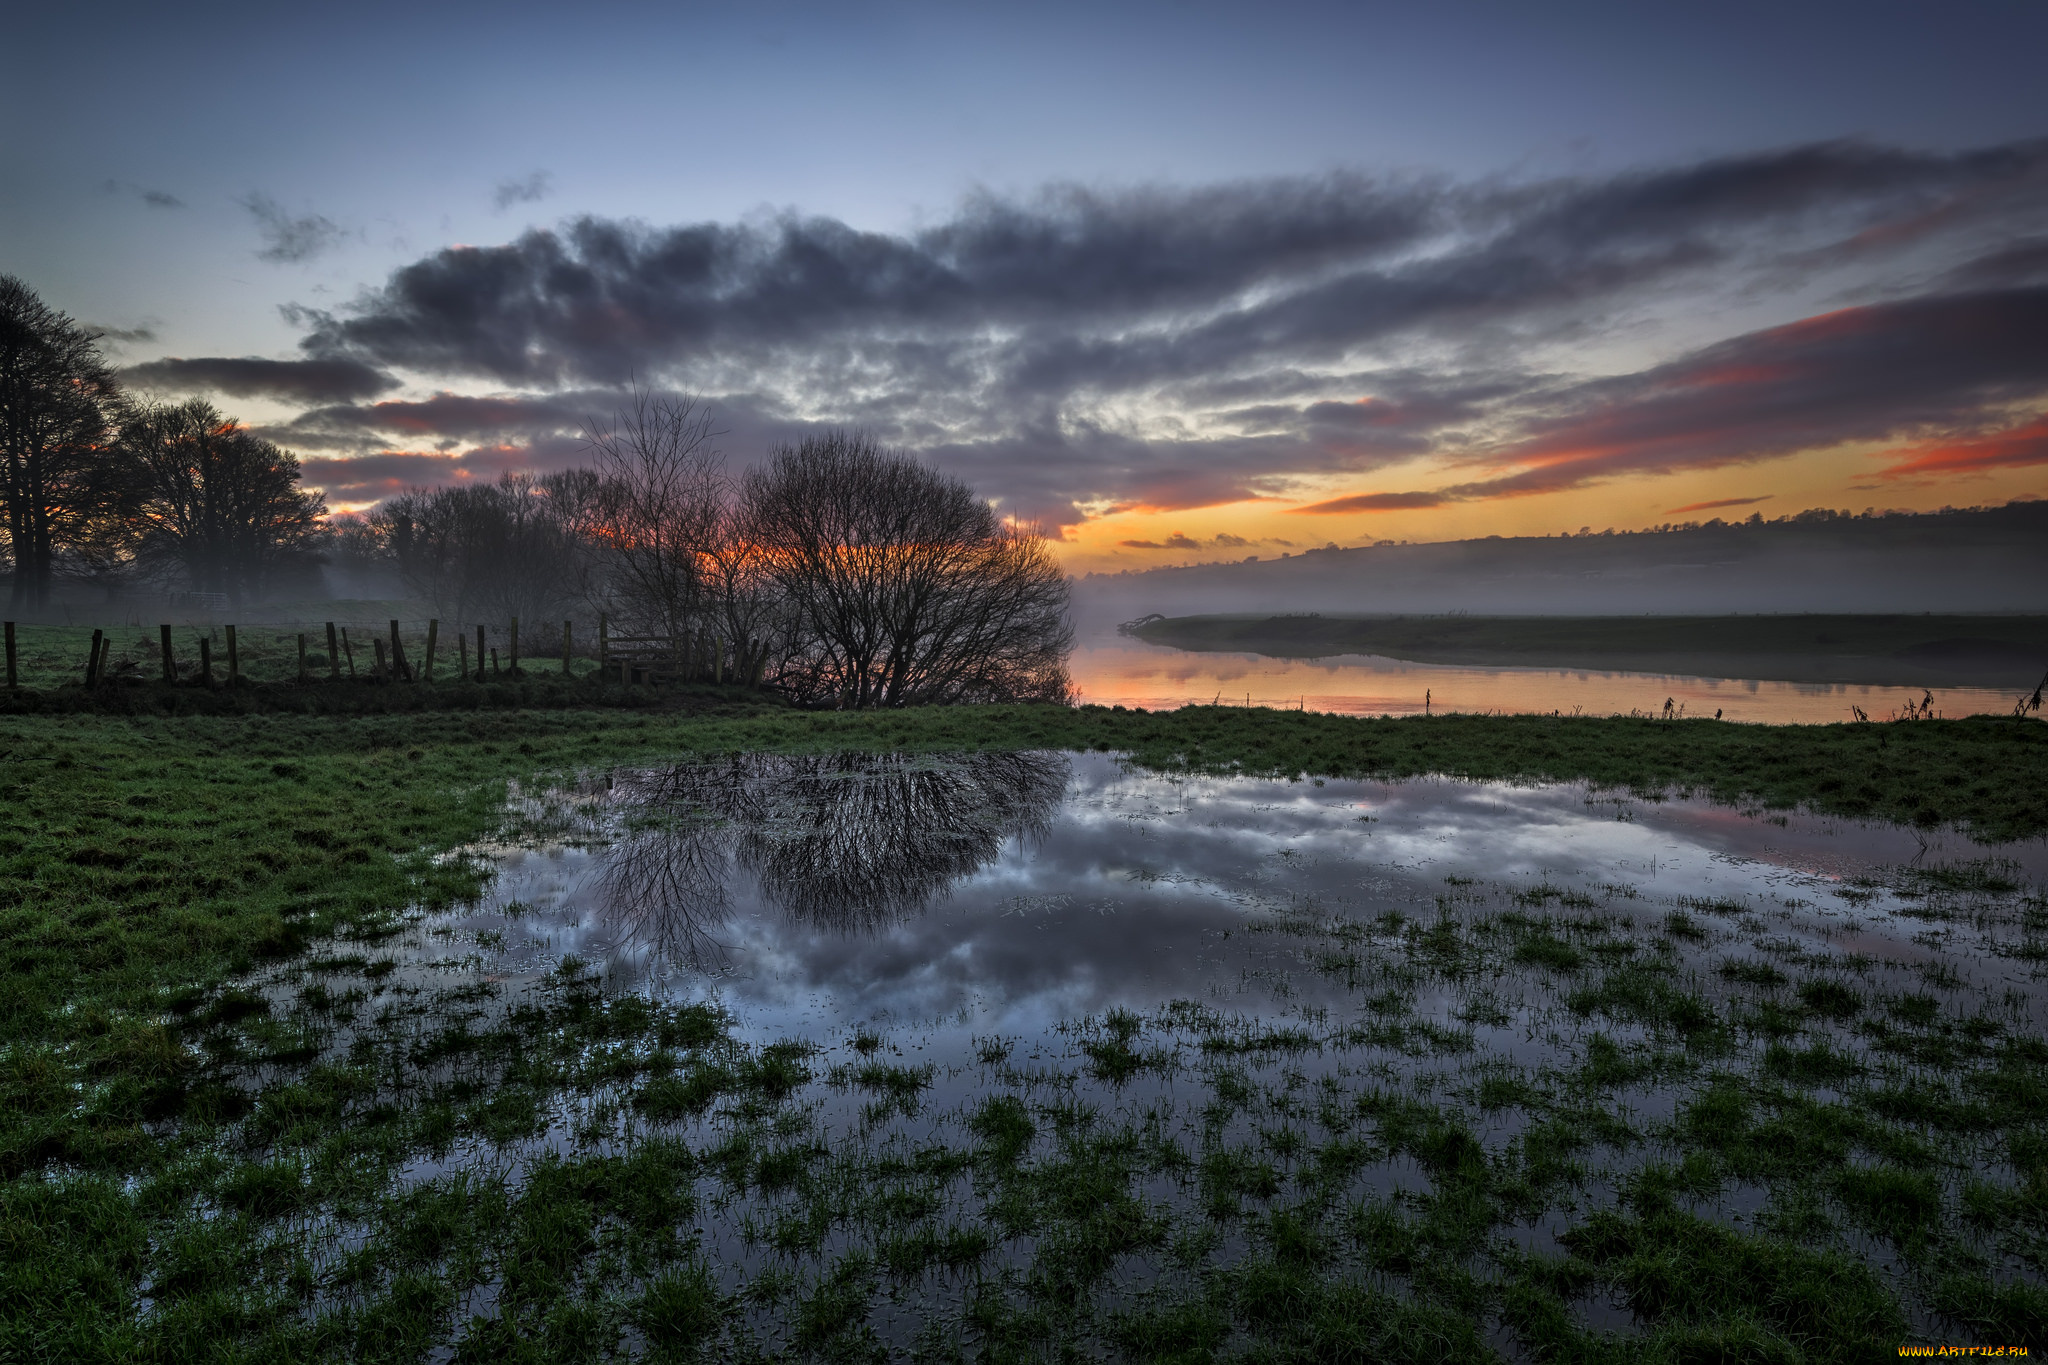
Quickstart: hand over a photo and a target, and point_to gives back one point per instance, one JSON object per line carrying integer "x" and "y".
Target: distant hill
{"x": 1968, "y": 562}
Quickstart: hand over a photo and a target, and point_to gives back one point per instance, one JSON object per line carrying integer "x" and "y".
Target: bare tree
{"x": 662, "y": 515}
{"x": 909, "y": 589}
{"x": 219, "y": 506}
{"x": 62, "y": 492}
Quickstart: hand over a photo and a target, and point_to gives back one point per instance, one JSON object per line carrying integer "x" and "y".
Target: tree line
{"x": 101, "y": 486}
{"x": 836, "y": 572}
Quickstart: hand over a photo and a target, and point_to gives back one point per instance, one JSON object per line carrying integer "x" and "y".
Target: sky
{"x": 1173, "y": 282}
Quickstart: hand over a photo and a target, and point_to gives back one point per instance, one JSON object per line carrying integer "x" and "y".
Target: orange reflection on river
{"x": 1116, "y": 670}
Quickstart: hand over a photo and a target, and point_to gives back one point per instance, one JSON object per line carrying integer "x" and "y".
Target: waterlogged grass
{"x": 234, "y": 1125}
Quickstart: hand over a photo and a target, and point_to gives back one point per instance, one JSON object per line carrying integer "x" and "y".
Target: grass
{"x": 230, "y": 1128}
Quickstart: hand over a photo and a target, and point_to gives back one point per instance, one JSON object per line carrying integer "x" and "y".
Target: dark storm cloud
{"x": 290, "y": 240}
{"x": 296, "y": 381}
{"x": 1169, "y": 348}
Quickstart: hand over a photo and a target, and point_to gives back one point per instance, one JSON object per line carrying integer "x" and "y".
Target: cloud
{"x": 1716, "y": 504}
{"x": 2019, "y": 262}
{"x": 117, "y": 337}
{"x": 1885, "y": 372}
{"x": 528, "y": 189}
{"x": 291, "y": 240}
{"x": 1083, "y": 350}
{"x": 374, "y": 477}
{"x": 460, "y": 416}
{"x": 1151, "y": 282}
{"x": 1374, "y": 502}
{"x": 2017, "y": 446}
{"x": 156, "y": 199}
{"x": 1176, "y": 541}
{"x": 296, "y": 381}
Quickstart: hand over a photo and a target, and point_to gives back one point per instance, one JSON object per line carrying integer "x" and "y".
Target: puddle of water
{"x": 1006, "y": 893}
{"x": 975, "y": 922}
{"x": 1132, "y": 673}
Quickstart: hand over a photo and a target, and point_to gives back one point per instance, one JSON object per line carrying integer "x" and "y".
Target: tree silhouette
{"x": 219, "y": 507}
{"x": 62, "y": 491}
{"x": 909, "y": 589}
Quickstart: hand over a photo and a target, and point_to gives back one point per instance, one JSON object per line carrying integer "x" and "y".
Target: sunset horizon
{"x": 1342, "y": 275}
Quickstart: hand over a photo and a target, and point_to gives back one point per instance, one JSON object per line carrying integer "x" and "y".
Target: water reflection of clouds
{"x": 1013, "y": 891}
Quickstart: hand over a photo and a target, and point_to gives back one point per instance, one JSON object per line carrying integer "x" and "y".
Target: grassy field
{"x": 230, "y": 1130}
{"x": 1992, "y": 651}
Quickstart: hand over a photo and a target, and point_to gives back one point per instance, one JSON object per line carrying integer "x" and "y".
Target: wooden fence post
{"x": 383, "y": 669}
{"x": 206, "y": 660}
{"x": 604, "y": 647}
{"x": 170, "y": 666}
{"x": 479, "y": 653}
{"x": 433, "y": 633}
{"x": 514, "y": 670}
{"x": 92, "y": 661}
{"x": 302, "y": 658}
{"x": 349, "y": 651}
{"x": 10, "y": 654}
{"x": 398, "y": 669}
{"x": 234, "y": 659}
{"x": 333, "y": 656}
{"x": 568, "y": 643}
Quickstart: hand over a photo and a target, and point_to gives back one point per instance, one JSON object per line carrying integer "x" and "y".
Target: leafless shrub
{"x": 905, "y": 587}
{"x": 656, "y": 511}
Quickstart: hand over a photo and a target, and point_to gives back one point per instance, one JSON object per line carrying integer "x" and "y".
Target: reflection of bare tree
{"x": 843, "y": 841}
{"x": 666, "y": 887}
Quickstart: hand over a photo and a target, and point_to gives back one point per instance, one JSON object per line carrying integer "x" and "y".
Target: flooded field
{"x": 1116, "y": 670}
{"x": 1017, "y": 1055}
